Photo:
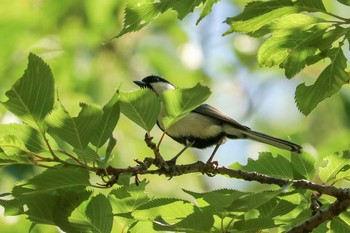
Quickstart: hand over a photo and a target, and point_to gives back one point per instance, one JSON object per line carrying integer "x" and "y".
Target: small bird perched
{"x": 207, "y": 126}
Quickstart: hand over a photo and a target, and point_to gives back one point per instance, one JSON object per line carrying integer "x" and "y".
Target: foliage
{"x": 72, "y": 150}
{"x": 68, "y": 171}
{"x": 294, "y": 38}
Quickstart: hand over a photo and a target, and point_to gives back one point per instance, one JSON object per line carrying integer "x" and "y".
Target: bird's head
{"x": 155, "y": 83}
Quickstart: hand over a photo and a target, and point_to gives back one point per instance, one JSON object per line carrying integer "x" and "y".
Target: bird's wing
{"x": 207, "y": 110}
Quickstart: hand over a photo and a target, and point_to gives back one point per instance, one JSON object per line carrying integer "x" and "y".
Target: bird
{"x": 207, "y": 126}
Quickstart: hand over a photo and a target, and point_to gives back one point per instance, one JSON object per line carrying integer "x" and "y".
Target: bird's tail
{"x": 277, "y": 142}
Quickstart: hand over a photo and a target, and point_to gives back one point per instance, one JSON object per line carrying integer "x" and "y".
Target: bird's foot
{"x": 213, "y": 165}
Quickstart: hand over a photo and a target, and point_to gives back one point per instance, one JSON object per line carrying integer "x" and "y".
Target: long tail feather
{"x": 277, "y": 142}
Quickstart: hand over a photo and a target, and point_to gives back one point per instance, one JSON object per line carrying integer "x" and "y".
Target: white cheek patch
{"x": 160, "y": 87}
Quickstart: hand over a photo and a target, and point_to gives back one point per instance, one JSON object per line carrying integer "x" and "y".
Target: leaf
{"x": 58, "y": 177}
{"x": 276, "y": 207}
{"x": 171, "y": 210}
{"x": 345, "y": 2}
{"x": 6, "y": 159}
{"x": 338, "y": 225}
{"x": 11, "y": 145}
{"x": 12, "y": 207}
{"x": 253, "y": 201}
{"x": 304, "y": 166}
{"x": 208, "y": 5}
{"x": 196, "y": 222}
{"x": 289, "y": 48}
{"x": 335, "y": 163}
{"x": 218, "y": 199}
{"x": 31, "y": 138}
{"x": 31, "y": 98}
{"x": 107, "y": 123}
{"x": 179, "y": 102}
{"x": 126, "y": 199}
{"x": 141, "y": 106}
{"x": 255, "y": 224}
{"x": 332, "y": 78}
{"x": 99, "y": 211}
{"x": 311, "y": 5}
{"x": 77, "y": 131}
{"x": 94, "y": 215}
{"x": 257, "y": 14}
{"x": 138, "y": 14}
{"x": 277, "y": 166}
{"x": 66, "y": 204}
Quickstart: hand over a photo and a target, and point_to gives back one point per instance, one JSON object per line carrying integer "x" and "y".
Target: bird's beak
{"x": 140, "y": 83}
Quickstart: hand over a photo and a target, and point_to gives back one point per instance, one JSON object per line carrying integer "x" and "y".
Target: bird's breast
{"x": 193, "y": 125}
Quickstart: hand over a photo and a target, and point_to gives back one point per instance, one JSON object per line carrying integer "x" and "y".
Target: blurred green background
{"x": 74, "y": 38}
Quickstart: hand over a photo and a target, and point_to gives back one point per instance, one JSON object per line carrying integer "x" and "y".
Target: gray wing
{"x": 207, "y": 110}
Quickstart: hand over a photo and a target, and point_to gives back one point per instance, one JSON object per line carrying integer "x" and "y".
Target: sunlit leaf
{"x": 338, "y": 225}
{"x": 31, "y": 98}
{"x": 345, "y": 2}
{"x": 257, "y": 14}
{"x": 125, "y": 199}
{"x": 77, "y": 131}
{"x": 179, "y": 102}
{"x": 253, "y": 201}
{"x": 12, "y": 207}
{"x": 277, "y": 166}
{"x": 255, "y": 224}
{"x": 170, "y": 209}
{"x": 28, "y": 135}
{"x": 141, "y": 106}
{"x": 107, "y": 123}
{"x": 276, "y": 207}
{"x": 196, "y": 222}
{"x": 335, "y": 163}
{"x": 138, "y": 14}
{"x": 304, "y": 165}
{"x": 208, "y": 5}
{"x": 94, "y": 215}
{"x": 52, "y": 179}
{"x": 332, "y": 78}
{"x": 99, "y": 211}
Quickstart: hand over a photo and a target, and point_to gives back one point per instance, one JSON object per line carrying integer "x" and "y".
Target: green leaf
{"x": 345, "y": 2}
{"x": 197, "y": 222}
{"x": 77, "y": 131}
{"x": 99, "y": 211}
{"x": 94, "y": 215}
{"x": 126, "y": 199}
{"x": 277, "y": 166}
{"x": 31, "y": 138}
{"x": 311, "y": 5}
{"x": 12, "y": 207}
{"x": 335, "y": 163}
{"x": 66, "y": 204}
{"x": 304, "y": 166}
{"x": 289, "y": 48}
{"x": 258, "y": 14}
{"x": 338, "y": 225}
{"x": 138, "y": 14}
{"x": 218, "y": 199}
{"x": 255, "y": 224}
{"x": 253, "y": 201}
{"x": 106, "y": 125}
{"x": 171, "y": 210}
{"x": 276, "y": 207}
{"x": 141, "y": 106}
{"x": 179, "y": 102}
{"x": 11, "y": 145}
{"x": 31, "y": 98}
{"x": 332, "y": 78}
{"x": 208, "y": 5}
{"x": 58, "y": 177}
{"x": 7, "y": 159}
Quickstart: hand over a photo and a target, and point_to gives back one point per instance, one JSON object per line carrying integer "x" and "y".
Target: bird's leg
{"x": 173, "y": 160}
{"x": 220, "y": 142}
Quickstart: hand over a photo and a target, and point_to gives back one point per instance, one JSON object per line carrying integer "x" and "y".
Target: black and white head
{"x": 155, "y": 83}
